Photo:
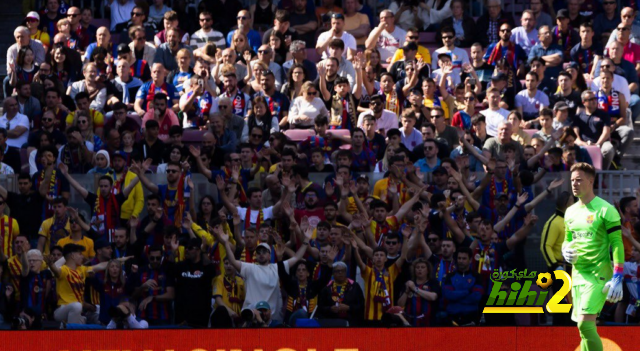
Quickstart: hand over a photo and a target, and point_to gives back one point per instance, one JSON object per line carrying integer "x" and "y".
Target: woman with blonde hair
{"x": 372, "y": 58}
{"x": 84, "y": 122}
{"x": 306, "y": 108}
{"x": 113, "y": 290}
{"x": 254, "y": 85}
{"x": 96, "y": 90}
{"x": 184, "y": 71}
{"x": 240, "y": 44}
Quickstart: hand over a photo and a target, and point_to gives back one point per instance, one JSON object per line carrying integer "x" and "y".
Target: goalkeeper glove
{"x": 569, "y": 253}
{"x": 613, "y": 288}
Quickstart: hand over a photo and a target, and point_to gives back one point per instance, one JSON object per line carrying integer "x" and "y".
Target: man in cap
{"x": 261, "y": 279}
{"x": 33, "y": 21}
{"x": 139, "y": 68}
{"x": 566, "y": 94}
{"x": 561, "y": 118}
{"x": 563, "y": 33}
{"x": 259, "y": 315}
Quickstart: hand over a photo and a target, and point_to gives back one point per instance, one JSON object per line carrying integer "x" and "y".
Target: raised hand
{"x": 329, "y": 189}
{"x": 220, "y": 183}
{"x": 247, "y": 56}
{"x": 64, "y": 169}
{"x": 522, "y": 198}
{"x": 133, "y": 222}
{"x": 530, "y": 219}
{"x": 235, "y": 172}
{"x": 333, "y": 253}
{"x": 555, "y": 183}
{"x": 194, "y": 151}
{"x": 304, "y": 224}
{"x": 406, "y": 231}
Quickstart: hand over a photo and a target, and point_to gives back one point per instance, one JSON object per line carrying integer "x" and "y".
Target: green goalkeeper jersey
{"x": 595, "y": 228}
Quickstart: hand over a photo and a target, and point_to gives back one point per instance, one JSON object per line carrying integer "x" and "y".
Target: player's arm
{"x": 613, "y": 288}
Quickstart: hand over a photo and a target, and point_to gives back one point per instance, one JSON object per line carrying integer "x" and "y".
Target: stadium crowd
{"x": 458, "y": 134}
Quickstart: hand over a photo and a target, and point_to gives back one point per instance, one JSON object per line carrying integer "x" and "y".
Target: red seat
{"x": 101, "y": 22}
{"x": 340, "y": 132}
{"x": 298, "y": 135}
{"x": 596, "y": 156}
{"x": 427, "y": 37}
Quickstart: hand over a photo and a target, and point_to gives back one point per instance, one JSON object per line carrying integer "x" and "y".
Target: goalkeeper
{"x": 592, "y": 225}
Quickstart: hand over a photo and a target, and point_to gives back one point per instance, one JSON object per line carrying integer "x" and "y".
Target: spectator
{"x": 124, "y": 87}
{"x": 165, "y": 53}
{"x": 615, "y": 105}
{"x": 345, "y": 67}
{"x": 628, "y": 16}
{"x": 430, "y": 161}
{"x": 206, "y": 34}
{"x": 336, "y": 32}
{"x": 631, "y": 51}
{"x": 138, "y": 68}
{"x": 459, "y": 56}
{"x": 231, "y": 121}
{"x": 507, "y": 49}
{"x": 23, "y": 39}
{"x": 282, "y": 25}
{"x": 304, "y": 23}
{"x": 141, "y": 49}
{"x": 531, "y": 101}
{"x": 563, "y": 33}
{"x": 87, "y": 29}
{"x": 27, "y": 104}
{"x": 32, "y": 21}
{"x": 51, "y": 14}
{"x": 15, "y": 124}
{"x": 138, "y": 18}
{"x": 103, "y": 40}
{"x": 171, "y": 21}
{"x": 542, "y": 18}
{"x": 526, "y": 35}
{"x": 488, "y": 25}
{"x": 386, "y": 37}
{"x": 348, "y": 304}
{"x": 324, "y": 12}
{"x": 306, "y": 108}
{"x": 548, "y": 51}
{"x": 157, "y": 11}
{"x": 299, "y": 57}
{"x": 463, "y": 294}
{"x": 462, "y": 24}
{"x": 593, "y": 127}
{"x": 356, "y": 23}
{"x": 119, "y": 11}
{"x": 445, "y": 133}
{"x": 586, "y": 53}
{"x": 413, "y": 37}
{"x": 494, "y": 114}
{"x": 193, "y": 286}
{"x": 157, "y": 85}
{"x": 165, "y": 117}
{"x": 96, "y": 90}
{"x": 244, "y": 26}
{"x": 384, "y": 120}
{"x": 241, "y": 102}
{"x": 605, "y": 23}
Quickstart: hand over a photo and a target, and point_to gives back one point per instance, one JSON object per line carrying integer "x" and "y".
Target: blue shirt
{"x": 254, "y": 39}
{"x": 424, "y": 167}
{"x": 171, "y": 91}
{"x": 87, "y": 54}
{"x": 278, "y": 104}
{"x": 538, "y": 51}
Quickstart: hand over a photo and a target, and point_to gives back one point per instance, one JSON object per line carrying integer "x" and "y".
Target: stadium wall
{"x": 345, "y": 339}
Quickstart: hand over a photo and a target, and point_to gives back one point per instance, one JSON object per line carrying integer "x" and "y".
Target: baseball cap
{"x": 499, "y": 76}
{"x": 263, "y": 305}
{"x": 265, "y": 246}
{"x": 501, "y": 195}
{"x": 123, "y": 48}
{"x": 33, "y": 15}
{"x": 363, "y": 177}
{"x": 560, "y": 106}
{"x": 564, "y": 13}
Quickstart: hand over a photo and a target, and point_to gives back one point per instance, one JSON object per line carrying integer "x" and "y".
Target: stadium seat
{"x": 596, "y": 156}
{"x": 427, "y": 38}
{"x": 340, "y": 132}
{"x": 299, "y": 134}
{"x": 312, "y": 55}
{"x": 101, "y": 22}
{"x": 531, "y": 132}
{"x": 193, "y": 136}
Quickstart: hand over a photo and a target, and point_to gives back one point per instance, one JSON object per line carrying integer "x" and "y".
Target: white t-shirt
{"x": 526, "y": 40}
{"x": 348, "y": 39}
{"x": 311, "y": 110}
{"x": 413, "y": 140}
{"x": 120, "y": 13}
{"x": 388, "y": 120}
{"x": 493, "y": 119}
{"x": 458, "y": 58}
{"x": 619, "y": 84}
{"x": 531, "y": 105}
{"x": 267, "y": 213}
{"x": 19, "y": 120}
{"x": 263, "y": 284}
{"x": 389, "y": 43}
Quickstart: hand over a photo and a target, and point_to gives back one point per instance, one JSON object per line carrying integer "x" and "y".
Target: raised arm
{"x": 522, "y": 198}
{"x": 223, "y": 195}
{"x": 551, "y": 143}
{"x": 301, "y": 250}
{"x": 139, "y": 169}
{"x": 463, "y": 188}
{"x": 406, "y": 207}
{"x": 538, "y": 199}
{"x": 64, "y": 169}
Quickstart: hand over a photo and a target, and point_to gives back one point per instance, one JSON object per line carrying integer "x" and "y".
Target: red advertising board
{"x": 348, "y": 339}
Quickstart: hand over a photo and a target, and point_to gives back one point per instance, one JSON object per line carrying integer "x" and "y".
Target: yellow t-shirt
{"x": 423, "y": 53}
{"x": 355, "y": 21}
{"x": 232, "y": 292}
{"x": 381, "y": 188}
{"x": 44, "y": 38}
{"x": 135, "y": 202}
{"x": 70, "y": 284}
{"x": 45, "y": 230}
{"x": 217, "y": 251}
{"x": 96, "y": 116}
{"x": 447, "y": 111}
{"x": 378, "y": 292}
{"x": 89, "y": 252}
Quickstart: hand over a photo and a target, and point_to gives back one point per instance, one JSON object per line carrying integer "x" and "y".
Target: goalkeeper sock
{"x": 589, "y": 334}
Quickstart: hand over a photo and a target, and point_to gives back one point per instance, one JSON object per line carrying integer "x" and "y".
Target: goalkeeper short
{"x": 587, "y": 299}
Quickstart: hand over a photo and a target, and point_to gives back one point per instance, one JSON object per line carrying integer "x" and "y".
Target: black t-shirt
{"x": 154, "y": 152}
{"x": 58, "y": 138}
{"x": 572, "y": 100}
{"x": 25, "y": 209}
{"x": 193, "y": 292}
{"x": 327, "y": 169}
{"x": 591, "y": 126}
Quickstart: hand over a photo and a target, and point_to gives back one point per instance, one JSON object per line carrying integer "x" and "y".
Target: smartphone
{"x": 472, "y": 81}
{"x": 200, "y": 82}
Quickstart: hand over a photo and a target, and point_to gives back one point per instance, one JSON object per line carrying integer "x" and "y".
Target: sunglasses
{"x": 312, "y": 93}
{"x": 623, "y": 29}
{"x": 389, "y": 243}
{"x": 436, "y": 116}
{"x": 155, "y": 258}
{"x": 223, "y": 106}
{"x": 32, "y": 20}
{"x": 505, "y": 30}
{"x": 431, "y": 240}
{"x": 172, "y": 171}
{"x": 264, "y": 51}
{"x": 429, "y": 148}
{"x": 337, "y": 16}
{"x": 256, "y": 135}
{"x": 605, "y": 66}
{"x": 445, "y": 37}
{"x": 83, "y": 122}
{"x": 242, "y": 17}
{"x": 235, "y": 160}
{"x": 413, "y": 37}
{"x": 375, "y": 103}
{"x": 469, "y": 98}
{"x": 47, "y": 120}
{"x": 136, "y": 14}
{"x": 140, "y": 38}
